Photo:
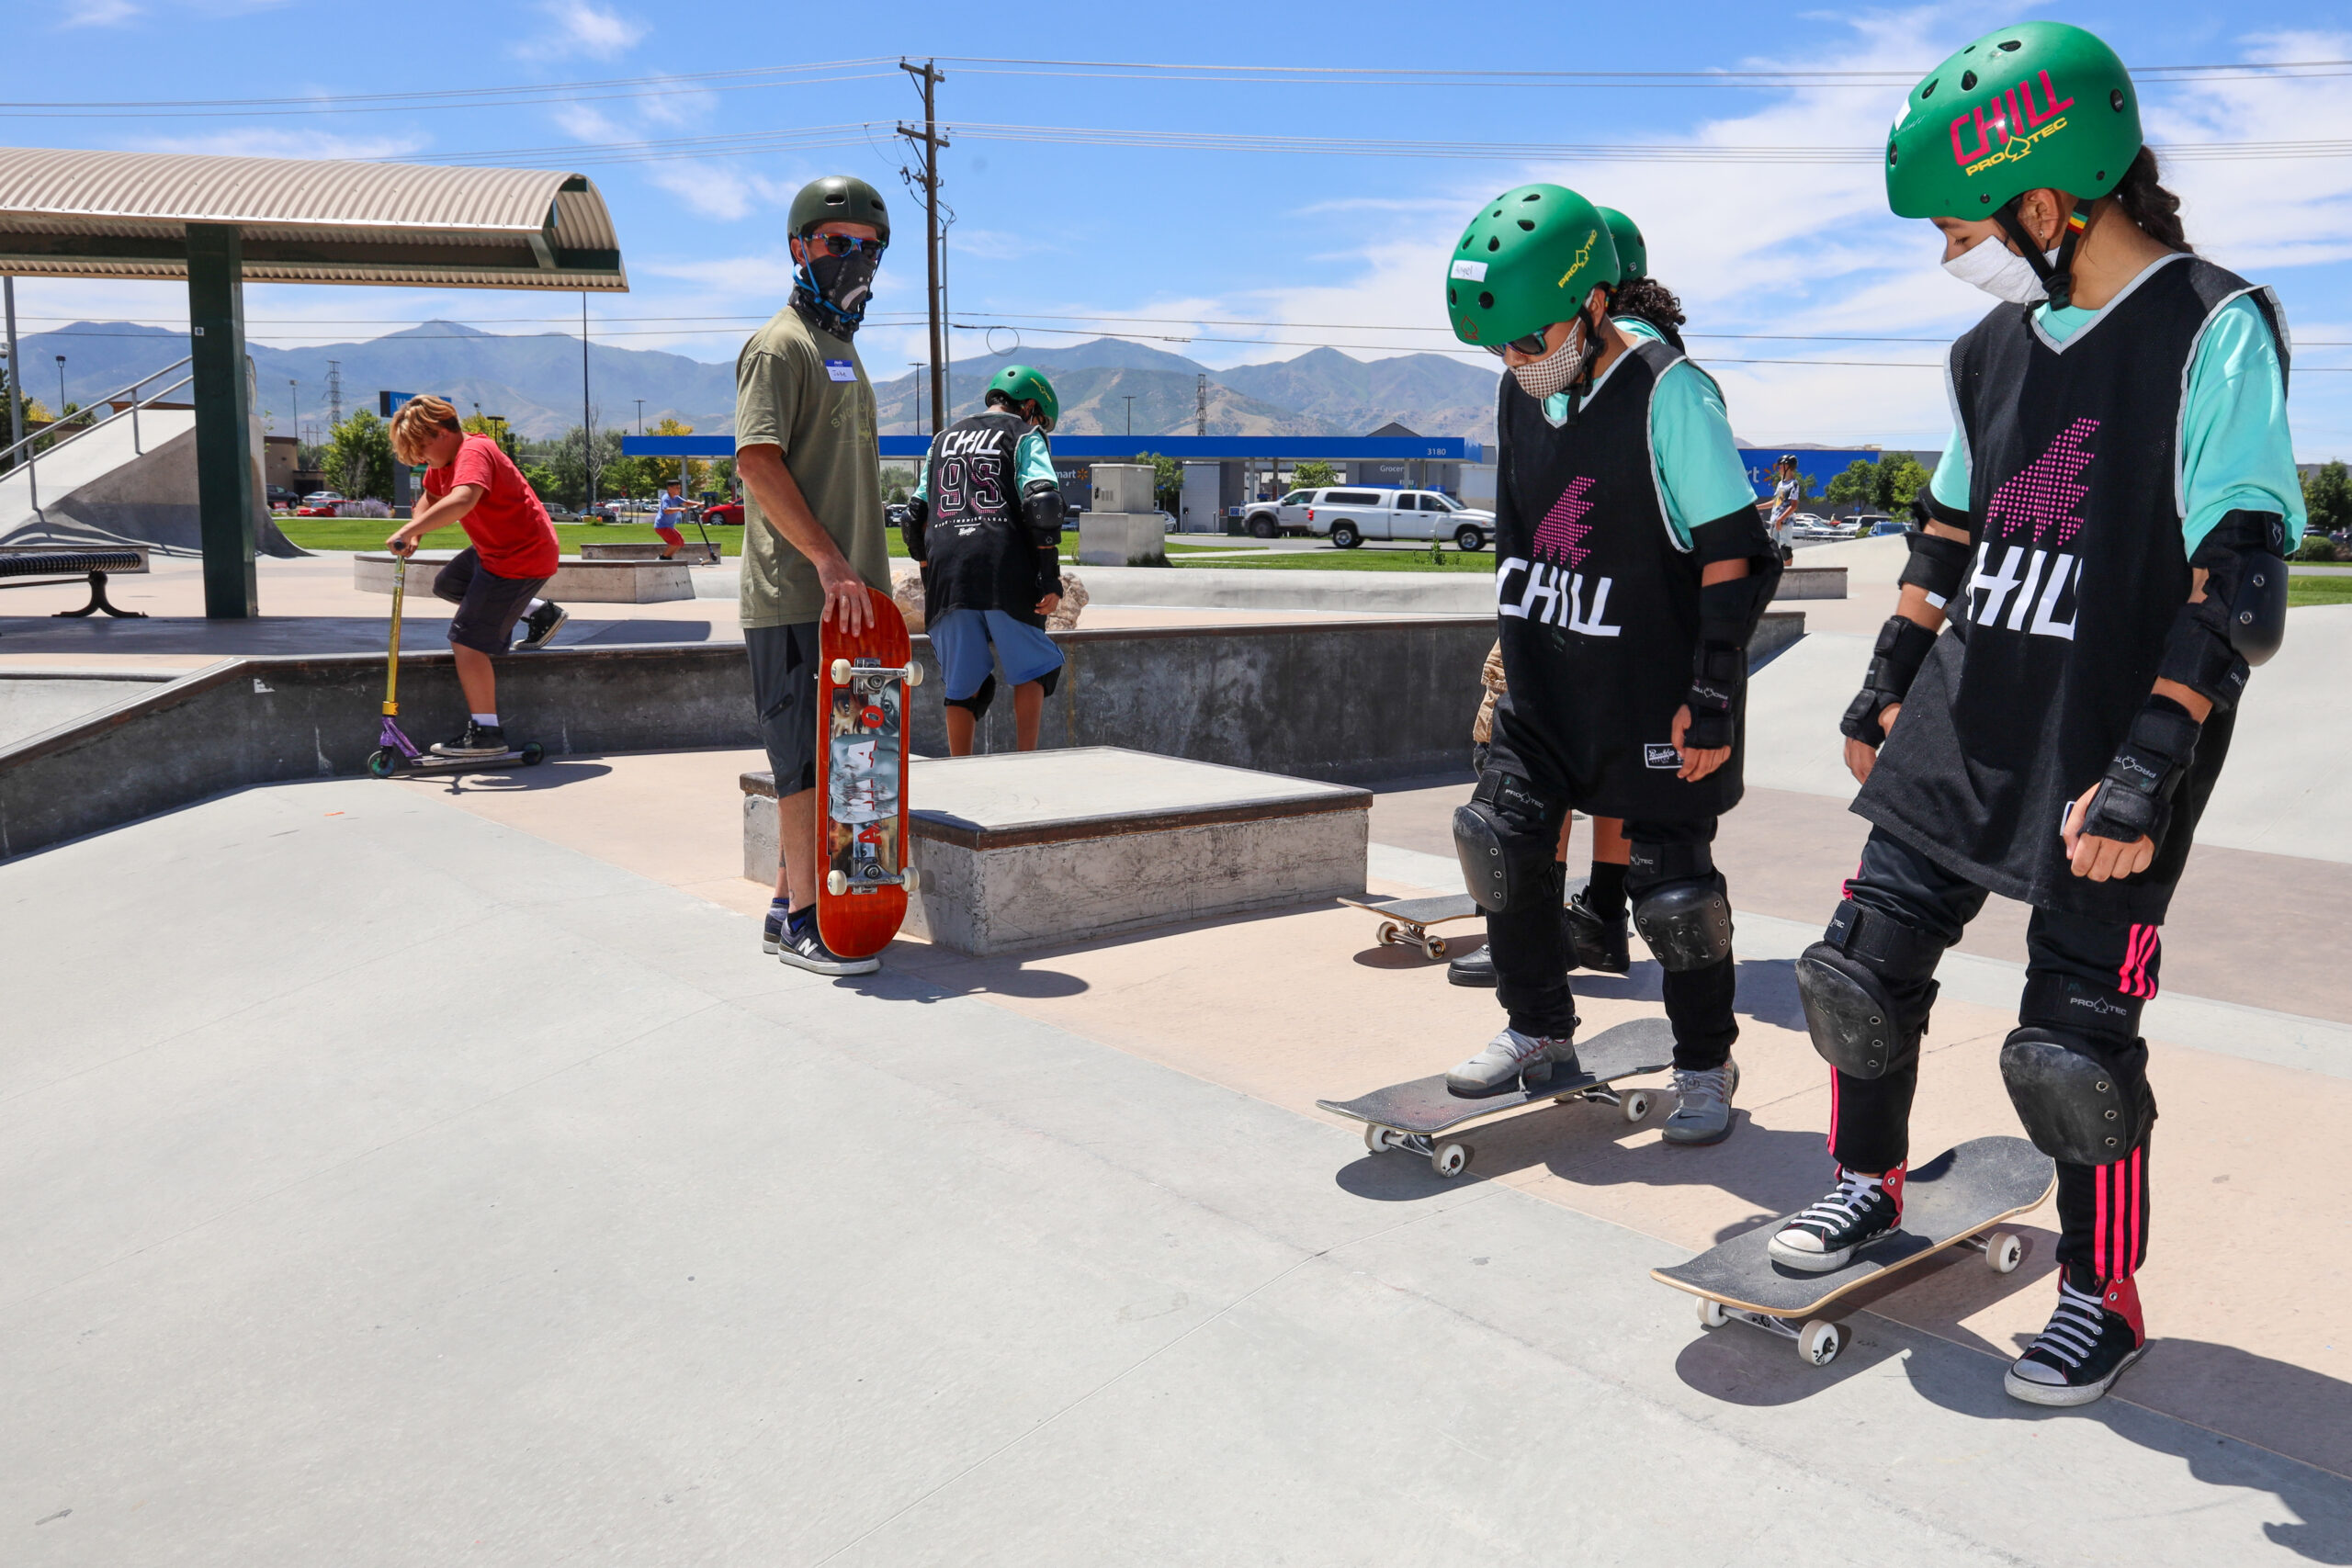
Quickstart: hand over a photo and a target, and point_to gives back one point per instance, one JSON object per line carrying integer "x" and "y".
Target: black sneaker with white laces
{"x": 803, "y": 949}
{"x": 540, "y": 626}
{"x": 476, "y": 740}
{"x": 1857, "y": 1211}
{"x": 2095, "y": 1334}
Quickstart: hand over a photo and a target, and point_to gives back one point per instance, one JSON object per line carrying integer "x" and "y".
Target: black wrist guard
{"x": 1728, "y": 613}
{"x": 1902, "y": 645}
{"x": 2134, "y": 799}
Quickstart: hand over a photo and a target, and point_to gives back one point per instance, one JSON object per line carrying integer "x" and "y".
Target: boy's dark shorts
{"x": 783, "y": 690}
{"x": 488, "y": 605}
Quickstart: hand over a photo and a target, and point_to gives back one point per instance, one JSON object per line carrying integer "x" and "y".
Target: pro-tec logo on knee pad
{"x": 1660, "y": 754}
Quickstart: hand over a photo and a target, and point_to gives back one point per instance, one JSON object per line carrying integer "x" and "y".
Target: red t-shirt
{"x": 508, "y": 525}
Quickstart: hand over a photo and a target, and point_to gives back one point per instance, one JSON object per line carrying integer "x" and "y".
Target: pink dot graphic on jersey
{"x": 1563, "y": 529}
{"x": 2044, "y": 497}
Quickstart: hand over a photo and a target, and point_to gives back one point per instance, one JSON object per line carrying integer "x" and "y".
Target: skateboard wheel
{"x": 1450, "y": 1161}
{"x": 836, "y": 884}
{"x": 534, "y": 754}
{"x": 910, "y": 879}
{"x": 914, "y": 674}
{"x": 1375, "y": 1137}
{"x": 1637, "y": 1106}
{"x": 1390, "y": 932}
{"x": 1711, "y": 1312}
{"x": 841, "y": 671}
{"x": 1434, "y": 946}
{"x": 382, "y": 761}
{"x": 1821, "y": 1341}
{"x": 2004, "y": 1250}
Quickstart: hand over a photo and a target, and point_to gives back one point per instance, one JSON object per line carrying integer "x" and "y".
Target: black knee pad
{"x": 2083, "y": 1098}
{"x": 1498, "y": 838}
{"x": 977, "y": 703}
{"x": 1048, "y": 681}
{"x": 1850, "y": 1008}
{"x": 1686, "y": 924}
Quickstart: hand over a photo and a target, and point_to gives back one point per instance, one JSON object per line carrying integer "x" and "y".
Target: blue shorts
{"x": 962, "y": 639}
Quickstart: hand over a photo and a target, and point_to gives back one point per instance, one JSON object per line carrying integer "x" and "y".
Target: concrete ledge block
{"x": 575, "y": 580}
{"x": 1812, "y": 582}
{"x": 694, "y": 552}
{"x": 1025, "y": 850}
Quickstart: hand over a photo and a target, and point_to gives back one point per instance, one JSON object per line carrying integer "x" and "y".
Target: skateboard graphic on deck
{"x": 1405, "y": 922}
{"x": 1951, "y": 1200}
{"x": 1416, "y": 1117}
{"x": 862, "y": 777}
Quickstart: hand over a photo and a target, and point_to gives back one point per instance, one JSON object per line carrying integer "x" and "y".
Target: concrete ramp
{"x": 108, "y": 487}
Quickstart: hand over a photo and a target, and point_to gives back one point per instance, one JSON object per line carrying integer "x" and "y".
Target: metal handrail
{"x": 30, "y": 460}
{"x": 128, "y": 386}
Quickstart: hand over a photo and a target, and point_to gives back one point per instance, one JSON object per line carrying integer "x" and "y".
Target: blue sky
{"x": 1342, "y": 244}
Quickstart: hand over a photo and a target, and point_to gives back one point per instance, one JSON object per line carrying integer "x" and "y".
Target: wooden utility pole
{"x": 931, "y": 141}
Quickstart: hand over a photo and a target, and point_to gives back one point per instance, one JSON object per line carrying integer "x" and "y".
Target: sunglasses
{"x": 1532, "y": 344}
{"x": 842, "y": 244}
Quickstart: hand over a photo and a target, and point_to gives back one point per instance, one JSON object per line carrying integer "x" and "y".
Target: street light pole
{"x": 60, "y": 387}
{"x": 1131, "y": 411}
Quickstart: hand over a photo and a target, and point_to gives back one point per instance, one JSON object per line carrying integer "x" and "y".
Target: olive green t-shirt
{"x": 806, "y": 392}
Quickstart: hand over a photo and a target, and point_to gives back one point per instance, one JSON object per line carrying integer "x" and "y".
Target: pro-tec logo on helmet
{"x": 1584, "y": 254}
{"x": 2014, "y": 123}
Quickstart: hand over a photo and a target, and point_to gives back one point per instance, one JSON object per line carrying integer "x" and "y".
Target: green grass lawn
{"x": 370, "y": 533}
{"x": 2313, "y": 588}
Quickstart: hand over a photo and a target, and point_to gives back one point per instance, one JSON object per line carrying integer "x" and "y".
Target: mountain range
{"x": 534, "y": 381}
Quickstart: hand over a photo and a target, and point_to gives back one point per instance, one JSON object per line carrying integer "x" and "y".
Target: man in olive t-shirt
{"x": 806, "y": 450}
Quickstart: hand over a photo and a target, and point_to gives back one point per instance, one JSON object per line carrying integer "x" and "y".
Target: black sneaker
{"x": 540, "y": 626}
{"x": 1472, "y": 969}
{"x": 477, "y": 740}
{"x": 772, "y": 932}
{"x": 1596, "y": 943}
{"x": 803, "y": 949}
{"x": 2094, "y": 1335}
{"x": 1857, "y": 1211}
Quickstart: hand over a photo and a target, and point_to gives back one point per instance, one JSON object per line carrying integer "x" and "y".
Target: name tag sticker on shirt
{"x": 840, "y": 369}
{"x": 1470, "y": 270}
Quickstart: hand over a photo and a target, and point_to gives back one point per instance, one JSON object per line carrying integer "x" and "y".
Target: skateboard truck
{"x": 866, "y": 676}
{"x": 1450, "y": 1157}
{"x": 1820, "y": 1339}
{"x": 838, "y": 882}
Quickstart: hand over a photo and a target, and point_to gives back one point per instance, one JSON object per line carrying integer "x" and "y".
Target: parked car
{"x": 1268, "y": 518}
{"x": 1863, "y": 524}
{"x": 729, "y": 514}
{"x": 896, "y": 513}
{"x": 319, "y": 504}
{"x": 282, "y": 498}
{"x": 1348, "y": 514}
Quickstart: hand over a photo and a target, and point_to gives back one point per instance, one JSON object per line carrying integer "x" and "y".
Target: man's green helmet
{"x": 838, "y": 198}
{"x": 1527, "y": 260}
{"x": 1020, "y": 383}
{"x": 1632, "y": 254}
{"x": 2040, "y": 104}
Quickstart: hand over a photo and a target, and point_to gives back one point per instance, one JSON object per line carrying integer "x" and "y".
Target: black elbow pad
{"x": 1927, "y": 509}
{"x": 1041, "y": 508}
{"x": 1938, "y": 565}
{"x": 912, "y": 530}
{"x": 2245, "y": 573}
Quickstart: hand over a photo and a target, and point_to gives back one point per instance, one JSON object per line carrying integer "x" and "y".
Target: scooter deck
{"x": 862, "y": 780}
{"x": 1961, "y": 1193}
{"x": 1425, "y": 1107}
{"x": 529, "y": 756}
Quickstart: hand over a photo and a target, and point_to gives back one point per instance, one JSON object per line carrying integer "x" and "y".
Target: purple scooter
{"x": 395, "y": 751}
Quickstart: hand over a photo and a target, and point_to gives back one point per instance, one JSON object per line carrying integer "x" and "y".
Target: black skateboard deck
{"x": 1950, "y": 1201}
{"x": 1405, "y": 922}
{"x": 1414, "y": 1116}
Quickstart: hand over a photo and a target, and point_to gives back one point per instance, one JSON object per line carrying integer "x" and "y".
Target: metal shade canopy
{"x": 77, "y": 213}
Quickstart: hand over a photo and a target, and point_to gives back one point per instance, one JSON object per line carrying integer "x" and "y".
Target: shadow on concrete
{"x": 1741, "y": 1364}
{"x": 614, "y": 634}
{"x": 912, "y": 971}
{"x": 1404, "y": 957}
{"x": 1767, "y": 989}
{"x": 2288, "y": 1428}
{"x": 553, "y": 773}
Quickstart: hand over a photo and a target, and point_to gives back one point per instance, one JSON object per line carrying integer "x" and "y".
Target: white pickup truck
{"x": 1348, "y": 514}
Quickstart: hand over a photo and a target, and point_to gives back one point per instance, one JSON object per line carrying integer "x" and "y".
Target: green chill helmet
{"x": 838, "y": 199}
{"x": 1020, "y": 383}
{"x": 1526, "y": 261}
{"x": 1633, "y": 252}
{"x": 2040, "y": 104}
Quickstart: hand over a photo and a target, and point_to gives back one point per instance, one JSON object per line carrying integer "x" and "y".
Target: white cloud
{"x": 261, "y": 142}
{"x": 97, "y": 13}
{"x": 722, "y": 190}
{"x": 580, "y": 28}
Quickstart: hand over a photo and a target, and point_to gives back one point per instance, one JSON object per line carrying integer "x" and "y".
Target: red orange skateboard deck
{"x": 862, "y": 684}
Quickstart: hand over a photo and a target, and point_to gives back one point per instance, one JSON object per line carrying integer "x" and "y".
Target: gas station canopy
{"x": 76, "y": 213}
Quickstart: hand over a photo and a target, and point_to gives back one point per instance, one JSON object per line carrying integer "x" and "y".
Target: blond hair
{"x": 415, "y": 421}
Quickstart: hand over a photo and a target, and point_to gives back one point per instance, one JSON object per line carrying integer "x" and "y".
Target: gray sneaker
{"x": 1507, "y": 1056}
{"x": 1702, "y": 1105}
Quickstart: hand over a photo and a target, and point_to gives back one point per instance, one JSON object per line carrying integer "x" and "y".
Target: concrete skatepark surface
{"x": 409, "y": 1170}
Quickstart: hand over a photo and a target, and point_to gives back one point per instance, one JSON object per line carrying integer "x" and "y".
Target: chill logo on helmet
{"x": 1551, "y": 589}
{"x": 2024, "y": 578}
{"x": 2037, "y": 105}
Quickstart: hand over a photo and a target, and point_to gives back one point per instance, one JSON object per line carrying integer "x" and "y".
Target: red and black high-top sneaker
{"x": 1857, "y": 1211}
{"x": 2095, "y": 1334}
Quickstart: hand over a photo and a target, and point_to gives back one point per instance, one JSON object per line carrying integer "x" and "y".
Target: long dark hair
{"x": 1654, "y": 303}
{"x": 2155, "y": 210}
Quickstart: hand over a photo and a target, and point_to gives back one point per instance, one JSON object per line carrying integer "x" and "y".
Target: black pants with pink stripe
{"x": 2077, "y": 968}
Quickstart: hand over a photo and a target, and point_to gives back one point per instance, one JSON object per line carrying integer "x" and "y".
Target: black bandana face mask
{"x": 842, "y": 285}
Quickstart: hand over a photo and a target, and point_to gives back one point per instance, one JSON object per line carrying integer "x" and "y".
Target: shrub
{"x": 2316, "y": 546}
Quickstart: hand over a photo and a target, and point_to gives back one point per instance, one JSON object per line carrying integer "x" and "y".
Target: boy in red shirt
{"x": 471, "y": 481}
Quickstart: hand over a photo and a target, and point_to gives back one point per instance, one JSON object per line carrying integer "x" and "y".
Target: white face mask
{"x": 2000, "y": 271}
{"x": 1538, "y": 379}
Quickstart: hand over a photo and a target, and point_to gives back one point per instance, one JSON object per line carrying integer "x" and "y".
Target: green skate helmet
{"x": 1526, "y": 261}
{"x": 1632, "y": 254}
{"x": 838, "y": 199}
{"x": 1019, "y": 383}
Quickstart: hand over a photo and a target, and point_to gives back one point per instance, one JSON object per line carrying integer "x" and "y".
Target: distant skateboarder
{"x": 2106, "y": 543}
{"x": 511, "y": 551}
{"x": 1632, "y": 571}
{"x": 669, "y": 513}
{"x": 986, "y": 522}
{"x": 1780, "y": 509}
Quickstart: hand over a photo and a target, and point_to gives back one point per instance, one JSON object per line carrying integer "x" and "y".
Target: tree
{"x": 1166, "y": 480}
{"x": 1858, "y": 486}
{"x": 667, "y": 469}
{"x": 1313, "y": 474}
{"x": 2327, "y": 496}
{"x": 359, "y": 458}
{"x": 1900, "y": 479}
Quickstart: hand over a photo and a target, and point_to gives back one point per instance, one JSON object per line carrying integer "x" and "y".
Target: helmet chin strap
{"x": 2058, "y": 276}
{"x": 1581, "y": 388}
